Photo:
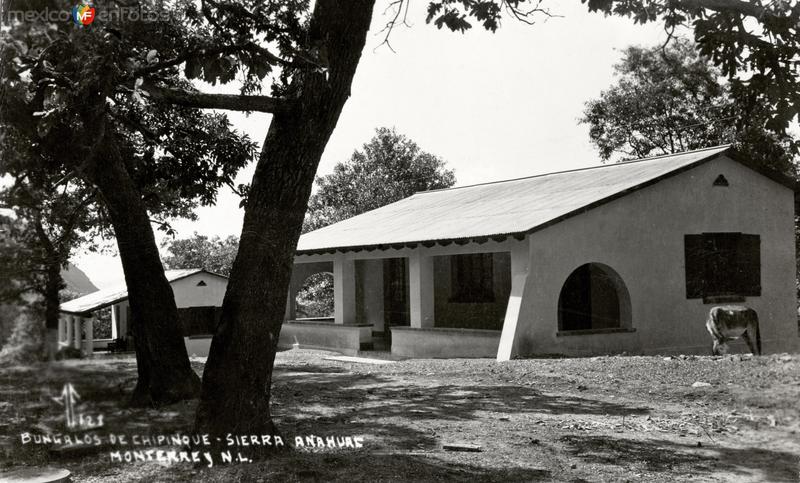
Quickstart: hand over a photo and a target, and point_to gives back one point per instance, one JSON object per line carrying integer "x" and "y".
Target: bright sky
{"x": 494, "y": 106}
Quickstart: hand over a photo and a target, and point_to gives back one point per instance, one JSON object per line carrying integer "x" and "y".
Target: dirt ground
{"x": 686, "y": 418}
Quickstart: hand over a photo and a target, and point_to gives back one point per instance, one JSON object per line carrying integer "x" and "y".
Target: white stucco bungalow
{"x": 198, "y": 295}
{"x": 621, "y": 257}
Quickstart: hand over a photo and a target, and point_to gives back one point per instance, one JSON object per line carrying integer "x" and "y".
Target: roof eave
{"x": 480, "y": 239}
{"x": 88, "y": 313}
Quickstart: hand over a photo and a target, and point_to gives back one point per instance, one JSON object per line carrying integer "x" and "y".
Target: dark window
{"x": 199, "y": 320}
{"x": 395, "y": 292}
{"x": 722, "y": 264}
{"x": 472, "y": 278}
{"x": 589, "y": 300}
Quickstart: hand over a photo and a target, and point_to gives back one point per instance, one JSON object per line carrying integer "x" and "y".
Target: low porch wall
{"x": 348, "y": 339}
{"x": 444, "y": 342}
{"x": 101, "y": 344}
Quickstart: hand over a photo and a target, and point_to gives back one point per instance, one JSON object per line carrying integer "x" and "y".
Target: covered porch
{"x": 437, "y": 299}
{"x": 84, "y": 330}
{"x": 77, "y": 332}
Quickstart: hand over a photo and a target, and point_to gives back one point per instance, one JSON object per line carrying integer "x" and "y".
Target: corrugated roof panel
{"x": 104, "y": 298}
{"x": 499, "y": 208}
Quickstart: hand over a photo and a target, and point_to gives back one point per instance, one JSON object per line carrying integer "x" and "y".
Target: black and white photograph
{"x": 399, "y": 241}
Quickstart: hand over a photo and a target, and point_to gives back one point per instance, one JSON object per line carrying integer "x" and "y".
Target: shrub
{"x": 26, "y": 343}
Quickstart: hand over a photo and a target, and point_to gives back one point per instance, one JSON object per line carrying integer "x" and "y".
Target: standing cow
{"x": 729, "y": 322}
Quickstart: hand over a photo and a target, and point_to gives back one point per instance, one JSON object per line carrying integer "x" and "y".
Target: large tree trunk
{"x": 52, "y": 303}
{"x": 53, "y": 283}
{"x": 238, "y": 373}
{"x": 165, "y": 375}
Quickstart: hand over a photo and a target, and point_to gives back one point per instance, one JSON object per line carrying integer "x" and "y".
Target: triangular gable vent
{"x": 721, "y": 181}
{"x": 201, "y": 283}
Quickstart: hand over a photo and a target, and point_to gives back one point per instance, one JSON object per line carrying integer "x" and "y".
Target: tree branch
{"x": 69, "y": 226}
{"x": 526, "y": 15}
{"x": 390, "y": 25}
{"x": 747, "y": 9}
{"x": 219, "y": 50}
{"x": 14, "y": 294}
{"x": 200, "y": 100}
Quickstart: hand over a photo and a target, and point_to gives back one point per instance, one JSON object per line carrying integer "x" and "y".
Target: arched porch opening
{"x": 593, "y": 297}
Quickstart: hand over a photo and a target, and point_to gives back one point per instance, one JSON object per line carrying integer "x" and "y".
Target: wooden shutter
{"x": 749, "y": 265}
{"x": 694, "y": 259}
{"x": 721, "y": 265}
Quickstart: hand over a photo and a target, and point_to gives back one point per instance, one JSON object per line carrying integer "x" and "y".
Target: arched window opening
{"x": 593, "y": 297}
{"x": 315, "y": 297}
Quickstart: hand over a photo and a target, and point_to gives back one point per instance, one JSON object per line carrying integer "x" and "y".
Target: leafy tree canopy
{"x": 389, "y": 167}
{"x": 755, "y": 44}
{"x": 66, "y": 86}
{"x": 214, "y": 254}
{"x": 670, "y": 100}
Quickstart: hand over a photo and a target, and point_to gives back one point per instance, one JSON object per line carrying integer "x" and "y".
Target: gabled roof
{"x": 499, "y": 209}
{"x": 110, "y": 296}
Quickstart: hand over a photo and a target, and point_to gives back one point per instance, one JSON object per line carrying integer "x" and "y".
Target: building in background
{"x": 198, "y": 295}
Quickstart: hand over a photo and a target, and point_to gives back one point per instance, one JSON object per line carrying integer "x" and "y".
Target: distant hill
{"x": 77, "y": 281}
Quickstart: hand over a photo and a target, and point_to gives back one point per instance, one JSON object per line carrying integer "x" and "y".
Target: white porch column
{"x": 88, "y": 341}
{"x": 420, "y": 290}
{"x": 77, "y": 333}
{"x": 62, "y": 328}
{"x": 68, "y": 332}
{"x": 289, "y": 313}
{"x": 344, "y": 291}
{"x": 520, "y": 261}
{"x": 291, "y": 308}
{"x": 115, "y": 321}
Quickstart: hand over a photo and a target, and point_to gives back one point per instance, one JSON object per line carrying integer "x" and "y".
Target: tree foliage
{"x": 50, "y": 222}
{"x": 755, "y": 44}
{"x": 316, "y": 298}
{"x": 84, "y": 88}
{"x": 52, "y": 213}
{"x": 199, "y": 251}
{"x": 25, "y": 343}
{"x": 670, "y": 100}
{"x": 177, "y": 156}
{"x": 388, "y": 168}
{"x": 61, "y": 85}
